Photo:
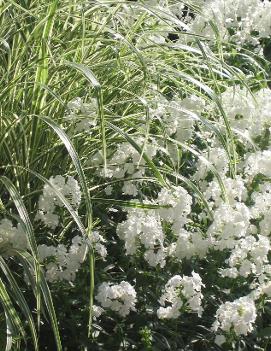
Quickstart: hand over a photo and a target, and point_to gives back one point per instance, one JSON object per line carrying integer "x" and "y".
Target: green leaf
{"x": 14, "y": 324}
{"x": 265, "y": 332}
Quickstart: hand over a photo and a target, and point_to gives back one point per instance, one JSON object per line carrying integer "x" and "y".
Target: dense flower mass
{"x": 235, "y": 20}
{"x": 177, "y": 228}
{"x": 248, "y": 113}
{"x": 180, "y": 205}
{"x": 152, "y": 228}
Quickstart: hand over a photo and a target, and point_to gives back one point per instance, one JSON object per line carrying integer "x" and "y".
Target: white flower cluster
{"x": 190, "y": 244}
{"x": 229, "y": 224}
{"x": 248, "y": 256}
{"x": 180, "y": 206}
{"x": 248, "y": 113}
{"x": 234, "y": 188}
{"x": 261, "y": 210}
{"x": 240, "y": 222}
{"x": 97, "y": 240}
{"x": 182, "y": 294}
{"x": 238, "y": 316}
{"x": 49, "y": 201}
{"x": 143, "y": 227}
{"x": 178, "y": 116}
{"x": 236, "y": 20}
{"x": 126, "y": 161}
{"x": 97, "y": 311}
{"x": 258, "y": 163}
{"x": 12, "y": 236}
{"x": 120, "y": 298}
{"x": 61, "y": 263}
{"x": 214, "y": 156}
{"x": 82, "y": 115}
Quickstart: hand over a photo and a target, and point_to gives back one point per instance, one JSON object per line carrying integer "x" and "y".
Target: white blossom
{"x": 180, "y": 206}
{"x": 97, "y": 240}
{"x": 143, "y": 228}
{"x": 238, "y": 316}
{"x": 49, "y": 201}
{"x": 229, "y": 224}
{"x": 12, "y": 236}
{"x": 62, "y": 263}
{"x": 250, "y": 255}
{"x": 181, "y": 293}
{"x": 243, "y": 17}
{"x": 120, "y": 298}
{"x": 190, "y": 244}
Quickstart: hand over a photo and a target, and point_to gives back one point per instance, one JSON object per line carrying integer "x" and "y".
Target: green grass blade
{"x": 26, "y": 258}
{"x": 29, "y": 231}
{"x": 77, "y": 164}
{"x": 19, "y": 298}
{"x": 99, "y": 95}
{"x": 14, "y": 324}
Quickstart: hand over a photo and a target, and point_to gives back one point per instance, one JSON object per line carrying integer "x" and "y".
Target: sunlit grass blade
{"x": 14, "y": 323}
{"x": 77, "y": 164}
{"x": 122, "y": 203}
{"x": 19, "y": 298}
{"x": 27, "y": 259}
{"x": 99, "y": 96}
{"x": 29, "y": 231}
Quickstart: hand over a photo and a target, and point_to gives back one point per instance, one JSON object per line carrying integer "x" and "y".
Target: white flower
{"x": 82, "y": 115}
{"x": 130, "y": 188}
{"x": 45, "y": 251}
{"x": 126, "y": 161}
{"x": 190, "y": 244}
{"x": 258, "y": 163}
{"x": 238, "y": 315}
{"x": 266, "y": 289}
{"x": 234, "y": 188}
{"x": 97, "y": 311}
{"x": 178, "y": 115}
{"x": 243, "y": 17}
{"x": 250, "y": 255}
{"x": 64, "y": 262}
{"x": 262, "y": 207}
{"x": 180, "y": 206}
{"x": 12, "y": 236}
{"x": 156, "y": 256}
{"x": 143, "y": 228}
{"x": 120, "y": 298}
{"x": 49, "y": 201}
{"x": 98, "y": 242}
{"x": 229, "y": 224}
{"x": 247, "y": 113}
{"x": 214, "y": 156}
{"x": 181, "y": 292}
{"x": 229, "y": 272}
